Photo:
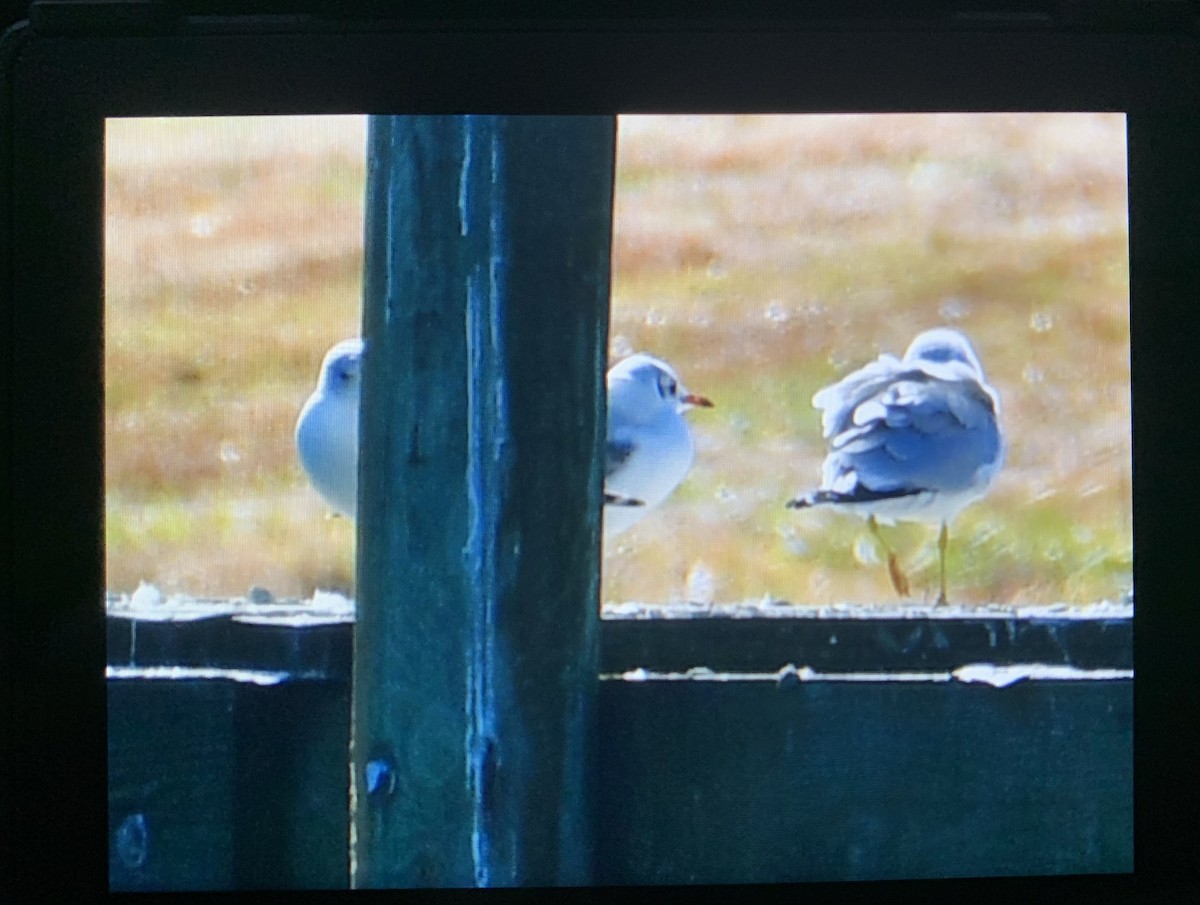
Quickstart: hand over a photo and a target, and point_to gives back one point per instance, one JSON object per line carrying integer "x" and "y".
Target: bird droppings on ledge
{"x": 192, "y": 673}
{"x": 148, "y": 604}
{"x": 146, "y": 595}
{"x": 769, "y": 608}
{"x": 973, "y": 673}
{"x": 288, "y": 617}
{"x": 1010, "y": 674}
{"x": 790, "y": 674}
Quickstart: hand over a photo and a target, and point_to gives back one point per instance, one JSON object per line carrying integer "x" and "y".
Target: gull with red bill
{"x": 649, "y": 447}
{"x": 648, "y": 450}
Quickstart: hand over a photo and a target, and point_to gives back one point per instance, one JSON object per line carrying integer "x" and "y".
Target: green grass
{"x": 763, "y": 257}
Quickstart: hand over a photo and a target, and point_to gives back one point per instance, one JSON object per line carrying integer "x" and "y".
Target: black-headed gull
{"x": 649, "y": 448}
{"x": 910, "y": 440}
{"x": 327, "y": 429}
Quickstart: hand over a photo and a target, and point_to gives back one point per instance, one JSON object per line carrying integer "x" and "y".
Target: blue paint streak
{"x": 474, "y": 554}
{"x": 392, "y": 202}
{"x": 487, "y": 461}
{"x": 465, "y": 179}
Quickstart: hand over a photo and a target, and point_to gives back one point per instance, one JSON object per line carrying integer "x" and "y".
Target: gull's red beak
{"x": 692, "y": 399}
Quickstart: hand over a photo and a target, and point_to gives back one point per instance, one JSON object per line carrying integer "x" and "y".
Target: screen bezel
{"x": 61, "y": 87}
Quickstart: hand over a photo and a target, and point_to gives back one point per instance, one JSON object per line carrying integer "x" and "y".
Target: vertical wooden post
{"x": 487, "y": 268}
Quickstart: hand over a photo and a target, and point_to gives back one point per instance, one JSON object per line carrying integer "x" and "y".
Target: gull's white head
{"x": 647, "y": 386}
{"x": 942, "y": 346}
{"x": 341, "y": 369}
{"x": 327, "y": 429}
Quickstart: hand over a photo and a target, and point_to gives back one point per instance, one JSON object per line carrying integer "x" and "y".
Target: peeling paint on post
{"x": 485, "y": 316}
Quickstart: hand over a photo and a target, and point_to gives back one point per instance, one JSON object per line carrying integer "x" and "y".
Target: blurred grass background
{"x": 763, "y": 256}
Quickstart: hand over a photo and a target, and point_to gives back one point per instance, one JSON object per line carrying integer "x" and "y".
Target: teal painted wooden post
{"x": 486, "y": 286}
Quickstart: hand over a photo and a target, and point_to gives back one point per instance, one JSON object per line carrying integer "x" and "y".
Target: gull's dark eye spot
{"x": 666, "y": 385}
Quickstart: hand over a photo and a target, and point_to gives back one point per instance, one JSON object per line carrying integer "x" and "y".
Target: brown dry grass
{"x": 763, "y": 256}
{"x": 233, "y": 260}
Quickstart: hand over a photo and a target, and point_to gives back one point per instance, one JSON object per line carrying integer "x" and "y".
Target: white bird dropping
{"x": 910, "y": 440}
{"x": 327, "y": 429}
{"x": 649, "y": 445}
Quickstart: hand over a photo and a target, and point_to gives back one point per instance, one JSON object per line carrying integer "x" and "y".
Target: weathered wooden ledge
{"x": 838, "y": 742}
{"x": 314, "y": 637}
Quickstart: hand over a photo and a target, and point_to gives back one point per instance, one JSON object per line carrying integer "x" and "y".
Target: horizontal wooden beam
{"x": 749, "y": 782}
{"x": 223, "y": 782}
{"x": 1086, "y": 638}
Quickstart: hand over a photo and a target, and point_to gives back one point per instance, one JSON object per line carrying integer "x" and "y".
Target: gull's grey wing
{"x": 617, "y": 451}
{"x": 838, "y": 401}
{"x": 914, "y": 431}
{"x": 616, "y": 454}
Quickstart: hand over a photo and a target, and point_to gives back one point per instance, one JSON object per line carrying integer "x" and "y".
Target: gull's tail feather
{"x": 611, "y": 499}
{"x": 858, "y": 495}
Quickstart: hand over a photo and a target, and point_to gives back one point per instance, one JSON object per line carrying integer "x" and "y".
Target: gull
{"x": 648, "y": 449}
{"x": 649, "y": 444}
{"x": 327, "y": 429}
{"x": 910, "y": 440}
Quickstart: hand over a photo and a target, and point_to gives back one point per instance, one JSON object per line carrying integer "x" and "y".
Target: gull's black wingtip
{"x": 611, "y": 499}
{"x": 858, "y": 495}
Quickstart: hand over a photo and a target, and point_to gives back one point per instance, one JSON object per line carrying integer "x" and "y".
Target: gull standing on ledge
{"x": 649, "y": 446}
{"x": 911, "y": 440}
{"x": 327, "y": 429}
